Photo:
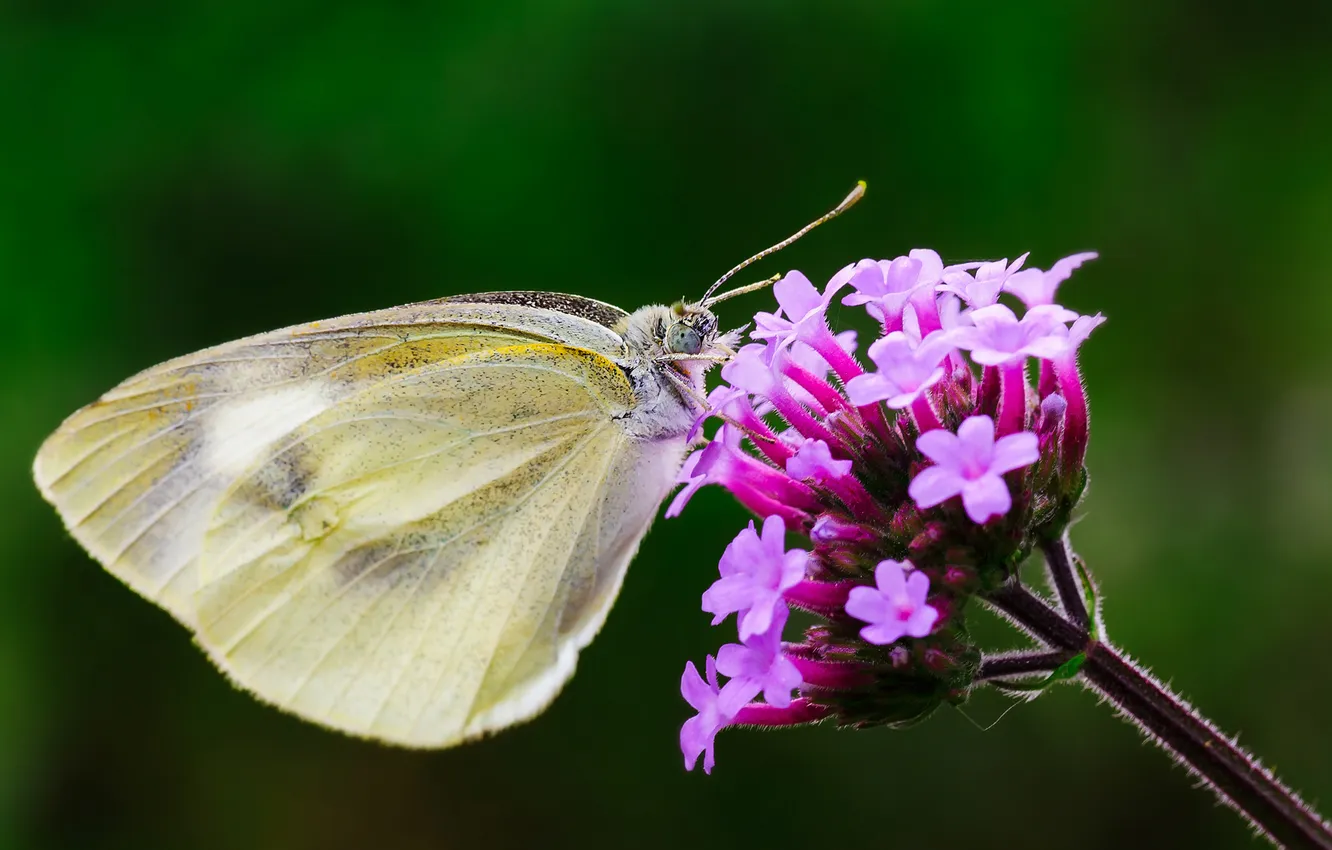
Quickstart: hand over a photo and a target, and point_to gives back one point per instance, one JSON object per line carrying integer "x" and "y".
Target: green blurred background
{"x": 174, "y": 175}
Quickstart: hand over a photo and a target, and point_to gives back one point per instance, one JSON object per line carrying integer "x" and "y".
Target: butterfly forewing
{"x": 136, "y": 475}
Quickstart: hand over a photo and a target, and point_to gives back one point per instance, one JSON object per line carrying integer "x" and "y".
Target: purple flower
{"x": 715, "y": 706}
{"x": 971, "y": 463}
{"x": 982, "y": 288}
{"x": 698, "y": 467}
{"x": 905, "y": 371}
{"x": 814, "y": 461}
{"x": 997, "y": 336}
{"x": 751, "y": 370}
{"x": 1079, "y": 331}
{"x": 758, "y": 665}
{"x": 718, "y": 401}
{"x": 806, "y": 357}
{"x": 885, "y": 286}
{"x": 755, "y": 570}
{"x": 759, "y": 487}
{"x": 801, "y": 312}
{"x": 1037, "y": 288}
{"x": 829, "y": 528}
{"x": 895, "y": 607}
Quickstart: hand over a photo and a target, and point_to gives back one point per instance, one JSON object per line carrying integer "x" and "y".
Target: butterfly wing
{"x": 422, "y": 563}
{"x": 403, "y": 531}
{"x": 137, "y": 474}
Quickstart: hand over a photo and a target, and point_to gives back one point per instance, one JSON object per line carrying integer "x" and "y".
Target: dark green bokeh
{"x": 175, "y": 175}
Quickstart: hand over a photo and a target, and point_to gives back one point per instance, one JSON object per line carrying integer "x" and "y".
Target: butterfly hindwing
{"x": 444, "y": 538}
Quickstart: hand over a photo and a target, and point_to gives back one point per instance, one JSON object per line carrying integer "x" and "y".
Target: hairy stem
{"x": 1059, "y": 563}
{"x": 1021, "y": 664}
{"x": 1234, "y": 775}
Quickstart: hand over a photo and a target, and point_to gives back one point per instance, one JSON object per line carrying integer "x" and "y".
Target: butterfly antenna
{"x": 846, "y": 204}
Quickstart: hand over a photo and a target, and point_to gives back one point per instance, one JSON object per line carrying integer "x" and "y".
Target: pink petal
{"x": 931, "y": 265}
{"x": 902, "y": 274}
{"x": 1082, "y": 328}
{"x": 727, "y": 595}
{"x": 797, "y": 296}
{"x": 735, "y": 659}
{"x": 922, "y": 621}
{"x": 794, "y": 564}
{"x": 1014, "y": 452}
{"x": 868, "y": 604}
{"x": 736, "y": 694}
{"x": 917, "y": 586}
{"x": 1050, "y": 347}
{"x": 976, "y": 436}
{"x": 986, "y": 497}
{"x": 1061, "y": 270}
{"x": 1047, "y": 315}
{"x": 758, "y": 619}
{"x": 864, "y": 390}
{"x": 890, "y": 350}
{"x": 694, "y": 738}
{"x": 935, "y": 486}
{"x": 881, "y": 634}
{"x": 902, "y": 401}
{"x": 890, "y": 578}
{"x": 682, "y": 498}
{"x": 694, "y": 690}
{"x": 781, "y": 680}
{"x": 996, "y": 316}
{"x": 986, "y": 356}
{"x": 1030, "y": 286}
{"x": 943, "y": 447}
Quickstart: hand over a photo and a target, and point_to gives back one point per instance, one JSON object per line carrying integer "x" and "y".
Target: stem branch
{"x": 1059, "y": 562}
{"x": 1234, "y": 775}
{"x": 1021, "y": 664}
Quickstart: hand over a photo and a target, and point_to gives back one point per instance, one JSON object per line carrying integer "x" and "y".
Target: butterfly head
{"x": 692, "y": 329}
{"x": 684, "y": 335}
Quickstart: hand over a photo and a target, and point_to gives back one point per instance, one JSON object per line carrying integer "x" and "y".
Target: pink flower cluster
{"x": 916, "y": 483}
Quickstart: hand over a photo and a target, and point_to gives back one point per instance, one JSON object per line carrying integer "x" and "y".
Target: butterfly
{"x": 402, "y": 524}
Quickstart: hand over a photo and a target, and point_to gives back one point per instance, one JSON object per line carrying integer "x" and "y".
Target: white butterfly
{"x": 402, "y": 524}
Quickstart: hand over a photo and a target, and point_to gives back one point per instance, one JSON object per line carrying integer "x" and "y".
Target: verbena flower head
{"x": 916, "y": 483}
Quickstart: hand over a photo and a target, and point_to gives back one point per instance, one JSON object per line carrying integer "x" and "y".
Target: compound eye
{"x": 682, "y": 339}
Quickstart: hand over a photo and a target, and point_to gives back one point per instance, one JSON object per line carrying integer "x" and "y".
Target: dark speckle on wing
{"x": 600, "y": 312}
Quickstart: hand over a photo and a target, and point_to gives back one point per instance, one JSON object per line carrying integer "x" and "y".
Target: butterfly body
{"x": 402, "y": 524}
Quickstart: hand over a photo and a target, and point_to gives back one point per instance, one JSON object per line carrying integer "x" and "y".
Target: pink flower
{"x": 906, "y": 370}
{"x": 1079, "y": 331}
{"x": 715, "y": 706}
{"x": 885, "y": 286}
{"x": 971, "y": 463}
{"x": 895, "y": 607}
{"x": 1037, "y": 288}
{"x": 982, "y": 288}
{"x": 751, "y": 370}
{"x": 814, "y": 461}
{"x": 997, "y": 336}
{"x": 800, "y": 315}
{"x": 757, "y": 485}
{"x": 758, "y": 665}
{"x": 754, "y": 572}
